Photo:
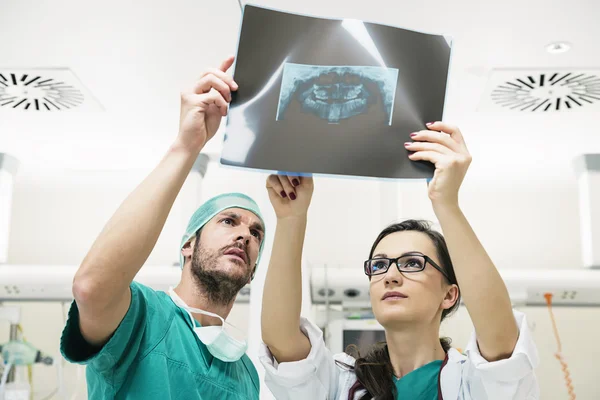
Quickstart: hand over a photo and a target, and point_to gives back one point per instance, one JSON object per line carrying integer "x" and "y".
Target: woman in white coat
{"x": 415, "y": 274}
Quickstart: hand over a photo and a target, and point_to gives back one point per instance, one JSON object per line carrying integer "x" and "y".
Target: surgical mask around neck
{"x": 225, "y": 342}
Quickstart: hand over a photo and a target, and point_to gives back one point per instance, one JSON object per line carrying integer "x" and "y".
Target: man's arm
{"x": 101, "y": 285}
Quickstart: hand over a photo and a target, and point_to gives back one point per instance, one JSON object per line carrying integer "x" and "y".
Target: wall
{"x": 57, "y": 214}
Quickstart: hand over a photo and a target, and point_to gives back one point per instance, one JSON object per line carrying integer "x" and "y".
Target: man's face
{"x": 224, "y": 254}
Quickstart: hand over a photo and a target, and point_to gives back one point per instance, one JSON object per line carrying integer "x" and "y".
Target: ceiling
{"x": 135, "y": 58}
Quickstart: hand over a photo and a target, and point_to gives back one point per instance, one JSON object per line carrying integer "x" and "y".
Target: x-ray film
{"x": 332, "y": 97}
{"x": 334, "y": 93}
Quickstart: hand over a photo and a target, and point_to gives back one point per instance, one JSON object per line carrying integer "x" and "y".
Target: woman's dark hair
{"x": 374, "y": 371}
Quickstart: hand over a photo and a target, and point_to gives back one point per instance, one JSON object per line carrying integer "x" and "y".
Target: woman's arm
{"x": 282, "y": 297}
{"x": 482, "y": 288}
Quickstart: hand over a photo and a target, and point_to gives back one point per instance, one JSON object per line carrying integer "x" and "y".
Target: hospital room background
{"x": 532, "y": 193}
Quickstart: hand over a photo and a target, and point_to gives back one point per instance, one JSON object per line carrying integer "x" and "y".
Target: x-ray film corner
{"x": 449, "y": 39}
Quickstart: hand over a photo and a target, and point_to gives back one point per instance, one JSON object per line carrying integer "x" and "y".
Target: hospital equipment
{"x": 18, "y": 352}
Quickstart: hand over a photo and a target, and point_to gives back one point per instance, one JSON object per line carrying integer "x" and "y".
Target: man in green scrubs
{"x": 138, "y": 343}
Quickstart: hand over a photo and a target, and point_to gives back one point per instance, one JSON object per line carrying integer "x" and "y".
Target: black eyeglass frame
{"x": 396, "y": 261}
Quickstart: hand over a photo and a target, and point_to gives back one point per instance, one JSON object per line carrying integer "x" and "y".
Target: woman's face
{"x": 422, "y": 295}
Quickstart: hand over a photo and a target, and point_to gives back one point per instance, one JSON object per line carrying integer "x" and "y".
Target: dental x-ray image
{"x": 334, "y": 93}
{"x": 332, "y": 97}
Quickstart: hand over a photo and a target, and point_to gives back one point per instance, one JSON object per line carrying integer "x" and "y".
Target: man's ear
{"x": 188, "y": 248}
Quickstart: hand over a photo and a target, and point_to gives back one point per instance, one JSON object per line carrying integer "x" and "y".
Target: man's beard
{"x": 220, "y": 287}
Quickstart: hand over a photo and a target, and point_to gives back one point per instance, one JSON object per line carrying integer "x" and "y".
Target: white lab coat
{"x": 465, "y": 377}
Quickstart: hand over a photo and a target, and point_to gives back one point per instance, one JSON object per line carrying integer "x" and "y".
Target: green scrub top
{"x": 420, "y": 384}
{"x": 155, "y": 354}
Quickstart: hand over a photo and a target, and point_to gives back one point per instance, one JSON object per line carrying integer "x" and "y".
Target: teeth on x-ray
{"x": 334, "y": 93}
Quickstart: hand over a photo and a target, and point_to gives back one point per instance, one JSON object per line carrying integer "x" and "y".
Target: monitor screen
{"x": 363, "y": 339}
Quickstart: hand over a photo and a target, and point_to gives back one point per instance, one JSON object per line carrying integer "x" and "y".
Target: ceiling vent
{"x": 542, "y": 91}
{"x": 43, "y": 90}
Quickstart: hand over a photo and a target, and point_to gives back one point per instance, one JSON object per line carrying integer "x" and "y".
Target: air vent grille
{"x": 542, "y": 91}
{"x": 43, "y": 90}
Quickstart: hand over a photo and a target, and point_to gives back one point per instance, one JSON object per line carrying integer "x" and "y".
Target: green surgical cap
{"x": 214, "y": 206}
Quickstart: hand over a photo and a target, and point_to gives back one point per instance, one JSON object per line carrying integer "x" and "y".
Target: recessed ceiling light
{"x": 558, "y": 47}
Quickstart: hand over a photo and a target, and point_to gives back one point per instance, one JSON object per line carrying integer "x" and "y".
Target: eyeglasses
{"x": 411, "y": 262}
